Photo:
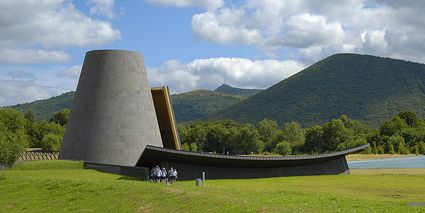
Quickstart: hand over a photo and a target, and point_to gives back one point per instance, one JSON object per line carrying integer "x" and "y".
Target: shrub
{"x": 283, "y": 148}
{"x": 13, "y": 138}
{"x": 51, "y": 142}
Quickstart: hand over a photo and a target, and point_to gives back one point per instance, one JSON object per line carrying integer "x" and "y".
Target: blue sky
{"x": 196, "y": 44}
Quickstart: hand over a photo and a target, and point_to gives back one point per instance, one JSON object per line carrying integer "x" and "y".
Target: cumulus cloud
{"x": 102, "y": 7}
{"x": 31, "y": 29}
{"x": 207, "y": 4}
{"x": 31, "y": 56}
{"x": 210, "y": 73}
{"x": 316, "y": 29}
{"x": 51, "y": 24}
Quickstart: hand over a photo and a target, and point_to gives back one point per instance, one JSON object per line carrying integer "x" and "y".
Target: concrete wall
{"x": 191, "y": 172}
{"x": 113, "y": 117}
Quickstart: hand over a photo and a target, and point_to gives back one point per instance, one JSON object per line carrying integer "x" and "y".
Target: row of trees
{"x": 19, "y": 131}
{"x": 403, "y": 134}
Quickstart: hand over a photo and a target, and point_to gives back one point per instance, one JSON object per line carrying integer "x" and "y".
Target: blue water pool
{"x": 406, "y": 162}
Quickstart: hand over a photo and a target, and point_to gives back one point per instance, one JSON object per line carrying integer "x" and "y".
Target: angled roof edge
{"x": 257, "y": 158}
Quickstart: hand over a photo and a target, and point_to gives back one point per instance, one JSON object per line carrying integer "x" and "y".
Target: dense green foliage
{"x": 45, "y": 186}
{"x": 227, "y": 89}
{"x": 19, "y": 131}
{"x": 366, "y": 88}
{"x": 402, "y": 134}
{"x": 198, "y": 104}
{"x": 13, "y": 138}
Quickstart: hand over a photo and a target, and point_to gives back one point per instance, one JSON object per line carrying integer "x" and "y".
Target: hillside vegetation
{"x": 39, "y": 188}
{"x": 43, "y": 109}
{"x": 366, "y": 88}
{"x": 198, "y": 104}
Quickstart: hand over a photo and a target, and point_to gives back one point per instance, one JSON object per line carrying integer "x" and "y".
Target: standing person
{"x": 170, "y": 175}
{"x": 152, "y": 177}
{"x": 164, "y": 175}
{"x": 174, "y": 175}
{"x": 158, "y": 174}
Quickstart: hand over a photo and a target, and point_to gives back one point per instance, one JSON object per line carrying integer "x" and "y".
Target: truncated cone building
{"x": 119, "y": 124}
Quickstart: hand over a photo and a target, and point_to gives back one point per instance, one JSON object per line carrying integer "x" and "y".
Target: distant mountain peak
{"x": 227, "y": 89}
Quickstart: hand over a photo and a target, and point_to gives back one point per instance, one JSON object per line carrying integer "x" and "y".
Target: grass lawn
{"x": 63, "y": 186}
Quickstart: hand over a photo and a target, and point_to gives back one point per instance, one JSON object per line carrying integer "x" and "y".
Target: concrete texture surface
{"x": 113, "y": 116}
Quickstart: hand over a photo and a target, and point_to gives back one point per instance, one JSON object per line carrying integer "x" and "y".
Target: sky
{"x": 196, "y": 44}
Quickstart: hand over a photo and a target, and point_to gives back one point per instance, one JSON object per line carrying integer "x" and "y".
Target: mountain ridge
{"x": 363, "y": 87}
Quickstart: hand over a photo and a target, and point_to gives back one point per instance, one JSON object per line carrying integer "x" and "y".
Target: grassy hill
{"x": 187, "y": 106}
{"x": 198, "y": 104}
{"x": 64, "y": 186}
{"x": 363, "y": 87}
{"x": 227, "y": 89}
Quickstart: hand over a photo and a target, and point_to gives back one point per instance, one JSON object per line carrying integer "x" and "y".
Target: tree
{"x": 246, "y": 140}
{"x": 31, "y": 129}
{"x": 391, "y": 149}
{"x": 267, "y": 129}
{"x": 334, "y": 133}
{"x": 185, "y": 147}
{"x": 409, "y": 117}
{"x": 421, "y": 146}
{"x": 13, "y": 138}
{"x": 61, "y": 117}
{"x": 51, "y": 142}
{"x": 283, "y": 148}
{"x": 193, "y": 147}
{"x": 314, "y": 139}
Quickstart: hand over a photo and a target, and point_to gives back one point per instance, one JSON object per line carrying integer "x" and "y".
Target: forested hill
{"x": 43, "y": 109}
{"x": 199, "y": 104}
{"x": 227, "y": 89}
{"x": 363, "y": 87}
{"x": 187, "y": 106}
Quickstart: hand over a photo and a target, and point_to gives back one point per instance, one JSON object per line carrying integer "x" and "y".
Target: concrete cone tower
{"x": 113, "y": 116}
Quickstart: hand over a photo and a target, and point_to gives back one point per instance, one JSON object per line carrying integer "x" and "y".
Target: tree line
{"x": 404, "y": 134}
{"x": 20, "y": 130}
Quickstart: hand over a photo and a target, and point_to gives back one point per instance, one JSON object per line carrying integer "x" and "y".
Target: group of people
{"x": 159, "y": 175}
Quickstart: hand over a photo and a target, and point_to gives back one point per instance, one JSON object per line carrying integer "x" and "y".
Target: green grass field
{"x": 63, "y": 186}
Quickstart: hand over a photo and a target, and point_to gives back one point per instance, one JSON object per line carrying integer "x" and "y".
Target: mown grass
{"x": 73, "y": 189}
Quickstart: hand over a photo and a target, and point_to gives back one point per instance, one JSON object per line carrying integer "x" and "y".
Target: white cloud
{"x": 210, "y": 73}
{"x": 25, "y": 84}
{"x": 209, "y": 26}
{"x": 70, "y": 72}
{"x": 51, "y": 24}
{"x": 31, "y": 30}
{"x": 102, "y": 7}
{"x": 31, "y": 56}
{"x": 22, "y": 91}
{"x": 316, "y": 29}
{"x": 207, "y": 4}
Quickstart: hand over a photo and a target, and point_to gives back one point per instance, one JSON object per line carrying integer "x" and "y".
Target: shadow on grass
{"x": 129, "y": 178}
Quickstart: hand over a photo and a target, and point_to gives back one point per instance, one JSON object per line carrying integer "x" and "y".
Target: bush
{"x": 283, "y": 148}
{"x": 193, "y": 147}
{"x": 51, "y": 142}
{"x": 185, "y": 147}
{"x": 13, "y": 138}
